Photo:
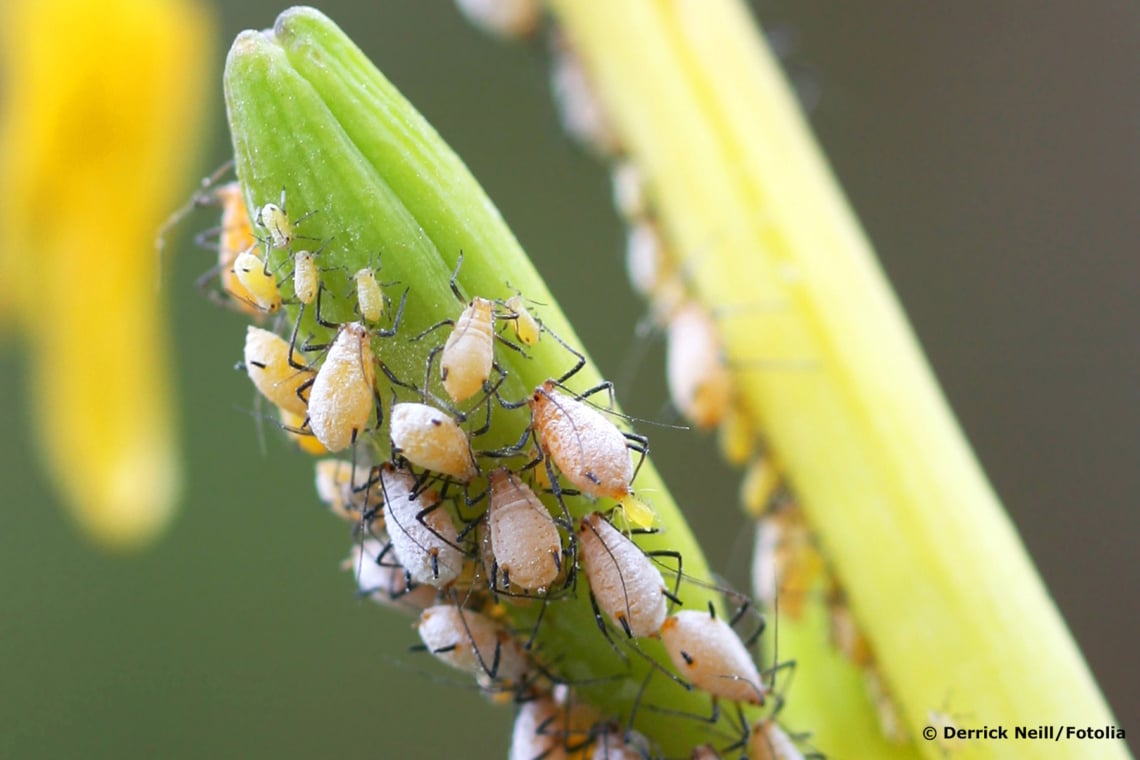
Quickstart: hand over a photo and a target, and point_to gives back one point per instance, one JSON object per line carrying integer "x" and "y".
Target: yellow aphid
{"x": 525, "y": 542}
{"x": 509, "y": 19}
{"x": 306, "y": 278}
{"x": 341, "y": 487}
{"x": 770, "y": 742}
{"x": 737, "y": 435}
{"x": 761, "y": 486}
{"x": 343, "y": 393}
{"x": 430, "y": 438}
{"x": 369, "y": 296}
{"x": 708, "y": 652}
{"x": 468, "y": 354}
{"x": 785, "y": 560}
{"x": 624, "y": 581}
{"x": 525, "y": 326}
{"x": 267, "y": 364}
{"x": 588, "y": 449}
{"x": 699, "y": 382}
{"x": 251, "y": 272}
{"x": 306, "y": 442}
{"x": 273, "y": 219}
{"x": 637, "y": 512}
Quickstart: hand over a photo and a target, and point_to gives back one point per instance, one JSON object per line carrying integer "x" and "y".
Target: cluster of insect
{"x": 474, "y": 539}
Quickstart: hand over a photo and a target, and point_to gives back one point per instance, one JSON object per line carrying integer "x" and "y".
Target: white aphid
{"x": 645, "y": 262}
{"x": 369, "y": 296}
{"x": 469, "y": 353}
{"x": 426, "y": 546}
{"x": 708, "y": 652}
{"x": 273, "y": 219}
{"x": 536, "y": 733}
{"x": 585, "y": 446}
{"x": 699, "y": 383}
{"x": 770, "y": 742}
{"x": 582, "y": 114}
{"x": 306, "y": 278}
{"x": 343, "y": 394}
{"x": 251, "y": 273}
{"x": 386, "y": 582}
{"x": 266, "y": 360}
{"x": 624, "y": 581}
{"x": 510, "y": 19}
{"x": 524, "y": 539}
{"x": 430, "y": 438}
{"x": 630, "y": 197}
{"x": 340, "y": 486}
{"x": 474, "y": 643}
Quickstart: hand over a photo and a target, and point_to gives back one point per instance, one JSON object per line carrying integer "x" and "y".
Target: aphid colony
{"x": 460, "y": 532}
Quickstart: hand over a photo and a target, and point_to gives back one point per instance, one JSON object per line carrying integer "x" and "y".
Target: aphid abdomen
{"x": 343, "y": 393}
{"x": 306, "y": 278}
{"x": 430, "y": 438}
{"x": 588, "y": 449}
{"x": 468, "y": 355}
{"x": 623, "y": 580}
{"x": 473, "y": 643}
{"x": 770, "y": 742}
{"x": 708, "y": 652}
{"x": 426, "y": 546}
{"x": 266, "y": 359}
{"x": 250, "y": 272}
{"x": 699, "y": 383}
{"x": 524, "y": 538}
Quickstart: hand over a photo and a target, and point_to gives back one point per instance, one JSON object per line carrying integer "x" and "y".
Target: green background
{"x": 990, "y": 150}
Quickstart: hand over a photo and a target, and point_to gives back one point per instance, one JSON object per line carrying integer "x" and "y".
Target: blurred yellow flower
{"x": 101, "y": 98}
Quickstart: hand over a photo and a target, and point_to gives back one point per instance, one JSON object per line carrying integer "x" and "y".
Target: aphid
{"x": 699, "y": 382}
{"x": 386, "y": 582}
{"x": 586, "y": 447}
{"x": 344, "y": 390}
{"x": 510, "y": 19}
{"x": 369, "y": 296}
{"x": 236, "y": 235}
{"x": 526, "y": 328}
{"x": 346, "y": 489}
{"x": 550, "y": 727}
{"x": 737, "y": 435}
{"x": 582, "y": 114}
{"x": 615, "y": 744}
{"x": 306, "y": 278}
{"x": 645, "y": 261}
{"x": 273, "y": 218}
{"x": 524, "y": 538}
{"x": 266, "y": 361}
{"x": 469, "y": 353}
{"x": 762, "y": 488}
{"x": 430, "y": 438}
{"x": 770, "y": 742}
{"x": 630, "y": 197}
{"x": 293, "y": 424}
{"x": 785, "y": 560}
{"x": 624, "y": 583}
{"x": 890, "y": 721}
{"x": 708, "y": 652}
{"x": 843, "y": 631}
{"x": 422, "y": 534}
{"x": 258, "y": 281}
{"x": 474, "y": 643}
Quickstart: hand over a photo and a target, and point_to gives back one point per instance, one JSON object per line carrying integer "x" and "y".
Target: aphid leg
{"x": 420, "y": 519}
{"x": 580, "y": 358}
{"x": 321, "y": 320}
{"x": 639, "y": 444}
{"x": 672, "y": 596}
{"x": 395, "y": 322}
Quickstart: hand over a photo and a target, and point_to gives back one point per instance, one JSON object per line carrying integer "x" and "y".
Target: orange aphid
{"x": 343, "y": 393}
{"x": 624, "y": 581}
{"x": 430, "y": 438}
{"x": 524, "y": 538}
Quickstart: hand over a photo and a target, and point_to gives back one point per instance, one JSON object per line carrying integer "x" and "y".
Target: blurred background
{"x": 991, "y": 152}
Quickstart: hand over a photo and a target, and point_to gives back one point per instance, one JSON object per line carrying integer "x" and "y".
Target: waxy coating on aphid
{"x": 770, "y": 742}
{"x": 385, "y": 581}
{"x": 524, "y": 539}
{"x": 509, "y": 19}
{"x": 306, "y": 278}
{"x": 266, "y": 360}
{"x": 525, "y": 326}
{"x": 369, "y": 296}
{"x": 429, "y": 438}
{"x": 707, "y": 652}
{"x": 341, "y": 487}
{"x": 624, "y": 581}
{"x": 588, "y": 449}
{"x": 469, "y": 353}
{"x": 699, "y": 383}
{"x": 342, "y": 396}
{"x": 250, "y": 271}
{"x": 425, "y": 546}
{"x": 469, "y": 641}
